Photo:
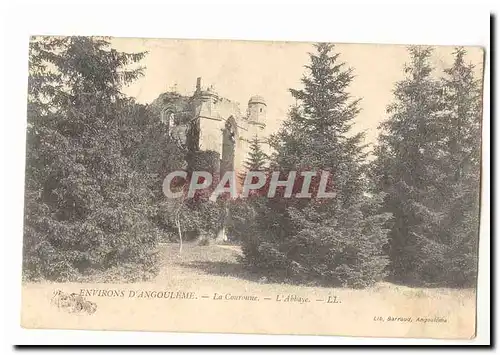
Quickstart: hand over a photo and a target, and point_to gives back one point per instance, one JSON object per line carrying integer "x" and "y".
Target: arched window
{"x": 168, "y": 119}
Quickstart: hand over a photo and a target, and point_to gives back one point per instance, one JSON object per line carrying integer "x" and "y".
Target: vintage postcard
{"x": 252, "y": 187}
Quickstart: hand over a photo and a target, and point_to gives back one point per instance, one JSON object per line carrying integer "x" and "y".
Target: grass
{"x": 206, "y": 270}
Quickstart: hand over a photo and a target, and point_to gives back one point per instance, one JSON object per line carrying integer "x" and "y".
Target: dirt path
{"x": 235, "y": 248}
{"x": 196, "y": 262}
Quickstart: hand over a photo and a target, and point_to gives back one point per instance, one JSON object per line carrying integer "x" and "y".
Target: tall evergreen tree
{"x": 256, "y": 157}
{"x": 241, "y": 221}
{"x": 408, "y": 165}
{"x": 86, "y": 209}
{"x": 338, "y": 240}
{"x": 460, "y": 116}
{"x": 461, "y": 132}
{"x": 418, "y": 155}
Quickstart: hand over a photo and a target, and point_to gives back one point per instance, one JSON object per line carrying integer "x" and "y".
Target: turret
{"x": 257, "y": 108}
{"x": 207, "y": 94}
{"x": 205, "y": 99}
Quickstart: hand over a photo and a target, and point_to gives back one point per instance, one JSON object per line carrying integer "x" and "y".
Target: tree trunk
{"x": 221, "y": 233}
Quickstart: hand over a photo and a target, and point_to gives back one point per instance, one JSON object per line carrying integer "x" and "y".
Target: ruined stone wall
{"x": 209, "y": 113}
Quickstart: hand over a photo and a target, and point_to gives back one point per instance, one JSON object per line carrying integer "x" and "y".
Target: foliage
{"x": 86, "y": 209}
{"x": 428, "y": 164}
{"x": 256, "y": 158}
{"x": 335, "y": 241}
{"x": 242, "y": 213}
{"x": 154, "y": 155}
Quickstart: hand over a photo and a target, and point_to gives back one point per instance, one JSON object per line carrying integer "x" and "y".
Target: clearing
{"x": 227, "y": 299}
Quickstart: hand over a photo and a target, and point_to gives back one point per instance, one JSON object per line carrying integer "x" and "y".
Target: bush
{"x": 325, "y": 252}
{"x": 109, "y": 237}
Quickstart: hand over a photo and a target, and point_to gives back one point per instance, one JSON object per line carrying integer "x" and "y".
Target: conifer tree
{"x": 335, "y": 241}
{"x": 424, "y": 148}
{"x": 256, "y": 157}
{"x": 407, "y": 162}
{"x": 241, "y": 221}
{"x": 86, "y": 209}
{"x": 461, "y": 143}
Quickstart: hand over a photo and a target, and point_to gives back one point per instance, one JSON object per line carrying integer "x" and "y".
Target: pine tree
{"x": 408, "y": 165}
{"x": 86, "y": 209}
{"x": 461, "y": 132}
{"x": 418, "y": 162}
{"x": 338, "y": 240}
{"x": 241, "y": 216}
{"x": 256, "y": 158}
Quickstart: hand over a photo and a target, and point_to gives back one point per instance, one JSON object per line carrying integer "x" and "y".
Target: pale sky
{"x": 240, "y": 69}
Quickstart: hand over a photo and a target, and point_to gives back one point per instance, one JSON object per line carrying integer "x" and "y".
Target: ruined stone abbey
{"x": 205, "y": 121}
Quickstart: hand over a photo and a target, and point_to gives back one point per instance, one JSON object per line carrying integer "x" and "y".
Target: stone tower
{"x": 257, "y": 110}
